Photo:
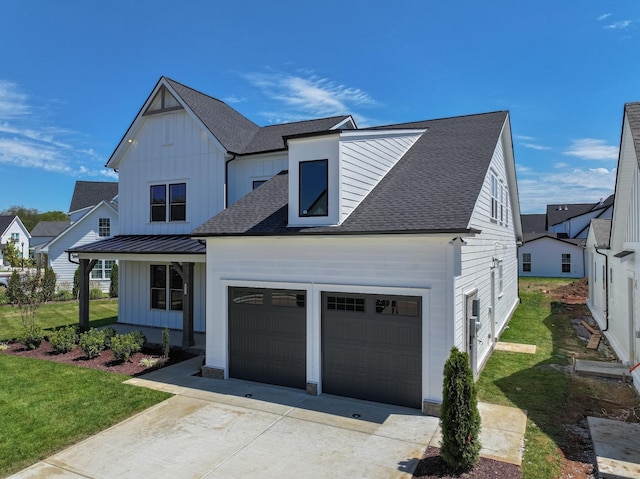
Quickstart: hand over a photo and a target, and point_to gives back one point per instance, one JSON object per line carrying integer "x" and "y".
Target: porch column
{"x": 83, "y": 292}
{"x": 185, "y": 270}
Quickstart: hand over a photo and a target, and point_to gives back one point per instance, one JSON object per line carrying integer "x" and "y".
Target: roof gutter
{"x": 606, "y": 289}
{"x": 226, "y": 180}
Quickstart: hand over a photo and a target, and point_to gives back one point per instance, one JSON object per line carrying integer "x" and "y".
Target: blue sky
{"x": 73, "y": 75}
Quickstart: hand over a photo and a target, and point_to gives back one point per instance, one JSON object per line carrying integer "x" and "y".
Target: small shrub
{"x": 64, "y": 295}
{"x": 109, "y": 333}
{"x": 459, "y": 415}
{"x": 4, "y": 346}
{"x": 48, "y": 284}
{"x": 166, "y": 347}
{"x": 64, "y": 340}
{"x": 31, "y": 337}
{"x": 95, "y": 293}
{"x": 124, "y": 346}
{"x": 139, "y": 338}
{"x": 149, "y": 362}
{"x": 92, "y": 343}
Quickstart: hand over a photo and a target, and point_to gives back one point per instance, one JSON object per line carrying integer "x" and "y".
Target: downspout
{"x": 606, "y": 289}
{"x": 226, "y": 180}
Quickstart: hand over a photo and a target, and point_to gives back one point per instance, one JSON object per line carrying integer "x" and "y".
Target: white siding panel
{"x": 364, "y": 162}
{"x": 546, "y": 258}
{"x": 496, "y": 241}
{"x": 244, "y": 171}
{"x": 135, "y": 298}
{"x": 373, "y": 262}
{"x": 191, "y": 157}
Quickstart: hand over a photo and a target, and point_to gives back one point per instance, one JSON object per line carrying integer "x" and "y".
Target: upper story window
{"x": 175, "y": 209}
{"x": 499, "y": 201}
{"x": 313, "y": 188}
{"x": 15, "y": 237}
{"x": 104, "y": 226}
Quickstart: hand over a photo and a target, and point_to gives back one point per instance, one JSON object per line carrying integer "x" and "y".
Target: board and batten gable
{"x": 170, "y": 148}
{"x": 83, "y": 231}
{"x": 357, "y": 161}
{"x": 488, "y": 254}
{"x": 417, "y": 265}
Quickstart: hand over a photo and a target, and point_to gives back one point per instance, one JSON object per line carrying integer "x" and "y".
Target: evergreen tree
{"x": 113, "y": 286}
{"x": 76, "y": 283}
{"x": 14, "y": 290}
{"x": 459, "y": 416}
{"x": 48, "y": 284}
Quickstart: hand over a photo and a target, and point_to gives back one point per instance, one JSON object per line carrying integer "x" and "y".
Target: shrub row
{"x": 94, "y": 341}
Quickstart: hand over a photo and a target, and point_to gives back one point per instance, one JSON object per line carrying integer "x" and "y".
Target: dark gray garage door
{"x": 267, "y": 336}
{"x": 371, "y": 347}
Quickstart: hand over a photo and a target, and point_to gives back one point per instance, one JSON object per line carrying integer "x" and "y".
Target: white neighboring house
{"x": 100, "y": 222}
{"x": 554, "y": 243}
{"x": 44, "y": 232}
{"x": 353, "y": 274}
{"x": 12, "y": 230}
{"x": 615, "y": 265}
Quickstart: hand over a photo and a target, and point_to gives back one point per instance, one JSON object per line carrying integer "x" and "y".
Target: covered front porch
{"x": 161, "y": 284}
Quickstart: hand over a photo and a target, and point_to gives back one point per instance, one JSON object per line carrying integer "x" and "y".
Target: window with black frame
{"x": 313, "y": 188}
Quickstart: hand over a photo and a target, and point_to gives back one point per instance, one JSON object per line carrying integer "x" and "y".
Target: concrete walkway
{"x": 233, "y": 428}
{"x": 617, "y": 448}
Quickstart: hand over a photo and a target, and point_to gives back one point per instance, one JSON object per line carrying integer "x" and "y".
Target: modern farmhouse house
{"x": 315, "y": 254}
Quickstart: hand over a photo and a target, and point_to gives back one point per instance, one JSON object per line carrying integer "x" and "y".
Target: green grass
{"x": 57, "y": 314}
{"x": 533, "y": 382}
{"x": 46, "y": 406}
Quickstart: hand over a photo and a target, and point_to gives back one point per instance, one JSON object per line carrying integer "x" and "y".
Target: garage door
{"x": 371, "y": 347}
{"x": 267, "y": 336}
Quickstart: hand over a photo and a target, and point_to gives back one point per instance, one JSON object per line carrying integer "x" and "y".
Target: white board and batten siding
{"x": 402, "y": 264}
{"x": 243, "y": 171}
{"x": 170, "y": 148}
{"x": 365, "y": 161}
{"x": 598, "y": 278}
{"x": 134, "y": 304}
{"x": 83, "y": 232}
{"x": 497, "y": 240}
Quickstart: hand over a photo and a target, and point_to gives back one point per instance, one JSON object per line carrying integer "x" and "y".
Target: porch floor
{"x": 154, "y": 336}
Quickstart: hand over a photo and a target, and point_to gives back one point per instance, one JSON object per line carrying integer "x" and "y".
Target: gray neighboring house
{"x": 42, "y": 234}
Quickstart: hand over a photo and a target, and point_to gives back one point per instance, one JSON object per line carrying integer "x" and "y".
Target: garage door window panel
{"x": 345, "y": 303}
{"x": 397, "y": 307}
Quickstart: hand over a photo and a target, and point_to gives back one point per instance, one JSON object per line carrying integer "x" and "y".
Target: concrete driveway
{"x": 231, "y": 429}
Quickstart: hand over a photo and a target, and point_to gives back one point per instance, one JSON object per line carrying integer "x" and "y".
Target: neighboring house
{"x": 554, "y": 243}
{"x": 94, "y": 216}
{"x": 613, "y": 249}
{"x": 12, "y": 230}
{"x": 349, "y": 261}
{"x": 44, "y": 232}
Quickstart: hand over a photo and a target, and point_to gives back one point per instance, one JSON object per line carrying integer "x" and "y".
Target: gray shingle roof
{"x": 49, "y": 228}
{"x": 633, "y": 116}
{"x": 558, "y": 213}
{"x": 5, "y": 221}
{"x": 601, "y": 232}
{"x": 90, "y": 193}
{"x": 144, "y": 244}
{"x": 530, "y": 237}
{"x": 422, "y": 192}
{"x": 534, "y": 223}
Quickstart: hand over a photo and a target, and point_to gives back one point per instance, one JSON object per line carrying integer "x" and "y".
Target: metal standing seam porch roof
{"x": 144, "y": 244}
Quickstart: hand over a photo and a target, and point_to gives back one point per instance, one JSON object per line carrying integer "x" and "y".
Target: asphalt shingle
{"x": 90, "y": 193}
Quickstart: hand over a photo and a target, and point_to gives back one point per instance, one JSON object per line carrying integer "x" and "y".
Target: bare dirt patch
{"x": 104, "y": 362}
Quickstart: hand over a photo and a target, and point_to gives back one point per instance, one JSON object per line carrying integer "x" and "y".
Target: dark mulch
{"x": 431, "y": 466}
{"x": 104, "y": 362}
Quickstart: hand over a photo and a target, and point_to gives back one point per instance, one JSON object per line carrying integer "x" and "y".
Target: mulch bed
{"x": 431, "y": 466}
{"x": 104, "y": 362}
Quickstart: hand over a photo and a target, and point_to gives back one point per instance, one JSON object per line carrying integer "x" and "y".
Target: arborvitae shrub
{"x": 113, "y": 286}
{"x": 459, "y": 416}
{"x": 48, "y": 284}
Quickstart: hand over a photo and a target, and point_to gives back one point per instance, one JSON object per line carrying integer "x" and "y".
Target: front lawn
{"x": 102, "y": 312}
{"x": 47, "y": 406}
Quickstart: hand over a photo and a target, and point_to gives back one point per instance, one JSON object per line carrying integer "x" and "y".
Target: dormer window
{"x": 313, "y": 188}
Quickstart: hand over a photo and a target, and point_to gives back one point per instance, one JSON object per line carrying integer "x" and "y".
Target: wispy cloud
{"x": 535, "y": 146}
{"x": 592, "y": 149}
{"x": 564, "y": 185}
{"x": 604, "y": 16}
{"x": 620, "y": 25}
{"x": 561, "y": 164}
{"x": 530, "y": 142}
{"x": 26, "y": 141}
{"x": 306, "y": 95}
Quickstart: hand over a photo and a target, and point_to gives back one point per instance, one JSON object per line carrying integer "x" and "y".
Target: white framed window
{"x": 526, "y": 262}
{"x": 566, "y": 263}
{"x": 499, "y": 200}
{"x": 15, "y": 237}
{"x": 494, "y": 197}
{"x": 102, "y": 269}
{"x": 104, "y": 226}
